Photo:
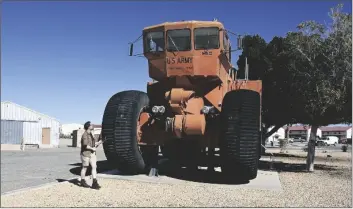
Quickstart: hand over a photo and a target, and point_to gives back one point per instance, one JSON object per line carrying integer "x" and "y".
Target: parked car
{"x": 320, "y": 143}
{"x": 327, "y": 141}
{"x": 299, "y": 139}
{"x": 342, "y": 141}
{"x": 345, "y": 141}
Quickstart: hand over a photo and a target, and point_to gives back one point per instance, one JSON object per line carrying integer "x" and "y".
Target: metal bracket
{"x": 246, "y": 69}
{"x": 153, "y": 172}
{"x": 271, "y": 158}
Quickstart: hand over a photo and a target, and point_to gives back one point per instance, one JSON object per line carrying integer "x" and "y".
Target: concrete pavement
{"x": 266, "y": 179}
{"x": 32, "y": 167}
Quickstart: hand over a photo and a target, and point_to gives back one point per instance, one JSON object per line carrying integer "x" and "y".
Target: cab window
{"x": 226, "y": 46}
{"x": 179, "y": 40}
{"x": 225, "y": 42}
{"x": 206, "y": 38}
{"x": 154, "y": 41}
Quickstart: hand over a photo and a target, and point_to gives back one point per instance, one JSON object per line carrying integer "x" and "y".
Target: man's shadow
{"x": 102, "y": 166}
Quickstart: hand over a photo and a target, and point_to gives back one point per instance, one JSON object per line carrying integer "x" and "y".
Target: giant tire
{"x": 262, "y": 150}
{"x": 119, "y": 128}
{"x": 239, "y": 142}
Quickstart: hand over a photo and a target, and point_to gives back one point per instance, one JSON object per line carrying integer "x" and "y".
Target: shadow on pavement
{"x": 170, "y": 170}
{"x": 192, "y": 173}
{"x": 102, "y": 166}
{"x": 319, "y": 158}
{"x": 291, "y": 167}
{"x": 72, "y": 181}
{"x": 283, "y": 155}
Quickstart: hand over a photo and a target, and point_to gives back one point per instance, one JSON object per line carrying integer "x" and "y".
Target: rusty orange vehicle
{"x": 194, "y": 105}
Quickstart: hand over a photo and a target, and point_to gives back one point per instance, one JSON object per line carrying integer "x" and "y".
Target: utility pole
{"x": 246, "y": 69}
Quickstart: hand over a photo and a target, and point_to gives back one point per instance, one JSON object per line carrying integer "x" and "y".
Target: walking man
{"x": 88, "y": 155}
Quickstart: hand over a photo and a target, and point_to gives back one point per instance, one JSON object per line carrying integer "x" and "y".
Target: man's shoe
{"x": 95, "y": 184}
{"x": 84, "y": 183}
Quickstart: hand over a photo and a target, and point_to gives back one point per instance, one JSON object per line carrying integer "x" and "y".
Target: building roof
{"x": 96, "y": 126}
{"x": 190, "y": 22}
{"x": 26, "y": 108}
{"x": 298, "y": 128}
{"x": 335, "y": 128}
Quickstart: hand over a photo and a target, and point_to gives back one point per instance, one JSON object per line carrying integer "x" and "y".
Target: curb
{"x": 276, "y": 186}
{"x": 17, "y": 191}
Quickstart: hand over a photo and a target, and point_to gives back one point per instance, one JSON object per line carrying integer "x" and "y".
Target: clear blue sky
{"x": 66, "y": 59}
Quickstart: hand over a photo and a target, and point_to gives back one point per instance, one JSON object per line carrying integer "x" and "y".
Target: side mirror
{"x": 230, "y": 53}
{"x": 240, "y": 42}
{"x": 131, "y": 49}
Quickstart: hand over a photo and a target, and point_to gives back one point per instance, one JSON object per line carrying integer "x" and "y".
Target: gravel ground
{"x": 329, "y": 186}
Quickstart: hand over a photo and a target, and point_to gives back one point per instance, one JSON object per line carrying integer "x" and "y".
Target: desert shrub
{"x": 344, "y": 148}
{"x": 283, "y": 143}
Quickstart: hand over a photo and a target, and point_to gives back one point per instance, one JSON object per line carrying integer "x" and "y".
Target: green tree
{"x": 307, "y": 75}
{"x": 253, "y": 49}
{"x": 319, "y": 59}
{"x": 265, "y": 64}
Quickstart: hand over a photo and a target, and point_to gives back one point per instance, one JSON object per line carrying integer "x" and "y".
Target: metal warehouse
{"x": 20, "y": 124}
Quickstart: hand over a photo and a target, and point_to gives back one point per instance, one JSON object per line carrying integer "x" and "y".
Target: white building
{"x": 97, "y": 129}
{"x": 342, "y": 132}
{"x": 23, "y": 125}
{"x": 279, "y": 134}
{"x": 67, "y": 129}
{"x": 302, "y": 132}
{"x": 349, "y": 133}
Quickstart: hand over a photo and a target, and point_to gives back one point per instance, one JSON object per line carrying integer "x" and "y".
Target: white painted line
{"x": 17, "y": 191}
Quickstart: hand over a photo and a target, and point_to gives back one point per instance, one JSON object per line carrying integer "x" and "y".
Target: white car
{"x": 328, "y": 140}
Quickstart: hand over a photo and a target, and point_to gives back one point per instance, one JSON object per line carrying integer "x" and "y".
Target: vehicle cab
{"x": 187, "y": 48}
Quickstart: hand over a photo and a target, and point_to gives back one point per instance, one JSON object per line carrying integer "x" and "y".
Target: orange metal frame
{"x": 186, "y": 81}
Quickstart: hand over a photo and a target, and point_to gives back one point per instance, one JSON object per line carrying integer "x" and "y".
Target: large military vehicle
{"x": 194, "y": 104}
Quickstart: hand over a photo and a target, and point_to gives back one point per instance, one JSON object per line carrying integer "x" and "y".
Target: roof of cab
{"x": 194, "y": 22}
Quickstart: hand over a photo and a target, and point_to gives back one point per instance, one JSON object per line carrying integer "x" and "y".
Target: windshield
{"x": 179, "y": 40}
{"x": 154, "y": 42}
{"x": 206, "y": 38}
